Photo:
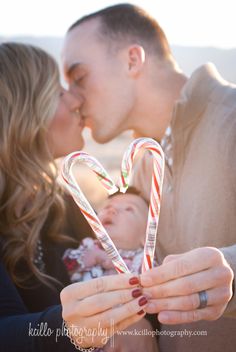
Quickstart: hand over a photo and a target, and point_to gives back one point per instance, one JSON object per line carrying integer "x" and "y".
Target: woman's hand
{"x": 95, "y": 310}
{"x": 175, "y": 286}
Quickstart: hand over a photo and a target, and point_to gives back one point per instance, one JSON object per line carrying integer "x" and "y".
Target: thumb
{"x": 170, "y": 258}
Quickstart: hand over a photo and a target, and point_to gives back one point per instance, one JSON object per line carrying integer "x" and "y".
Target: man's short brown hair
{"x": 127, "y": 23}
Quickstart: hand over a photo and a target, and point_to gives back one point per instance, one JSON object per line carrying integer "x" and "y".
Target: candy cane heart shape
{"x": 85, "y": 207}
{"x": 156, "y": 189}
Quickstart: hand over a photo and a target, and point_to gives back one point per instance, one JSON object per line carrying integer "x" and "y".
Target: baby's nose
{"x": 112, "y": 210}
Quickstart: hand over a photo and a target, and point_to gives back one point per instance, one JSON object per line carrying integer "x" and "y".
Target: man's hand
{"x": 174, "y": 286}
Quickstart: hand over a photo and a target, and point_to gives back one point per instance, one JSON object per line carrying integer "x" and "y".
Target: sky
{"x": 185, "y": 22}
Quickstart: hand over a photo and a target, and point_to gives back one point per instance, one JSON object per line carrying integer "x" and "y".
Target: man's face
{"x": 124, "y": 217}
{"x": 99, "y": 75}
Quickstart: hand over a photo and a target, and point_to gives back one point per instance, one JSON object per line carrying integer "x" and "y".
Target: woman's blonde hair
{"x": 29, "y": 95}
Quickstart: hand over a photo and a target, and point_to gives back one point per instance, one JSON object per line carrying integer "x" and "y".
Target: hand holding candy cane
{"x": 126, "y": 313}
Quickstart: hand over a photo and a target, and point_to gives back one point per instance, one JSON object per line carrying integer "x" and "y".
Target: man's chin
{"x": 98, "y": 134}
{"x": 99, "y": 137}
{"x": 136, "y": 134}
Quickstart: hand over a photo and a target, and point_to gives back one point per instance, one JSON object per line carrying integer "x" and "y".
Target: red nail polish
{"x": 142, "y": 301}
{"x": 134, "y": 281}
{"x": 136, "y": 293}
{"x": 141, "y": 312}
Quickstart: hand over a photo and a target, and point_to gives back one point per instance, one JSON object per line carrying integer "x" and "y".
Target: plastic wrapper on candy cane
{"x": 156, "y": 190}
{"x": 86, "y": 208}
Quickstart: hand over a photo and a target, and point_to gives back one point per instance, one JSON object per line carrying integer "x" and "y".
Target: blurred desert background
{"x": 110, "y": 154}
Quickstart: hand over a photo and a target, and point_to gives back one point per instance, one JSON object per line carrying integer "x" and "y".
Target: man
{"x": 119, "y": 61}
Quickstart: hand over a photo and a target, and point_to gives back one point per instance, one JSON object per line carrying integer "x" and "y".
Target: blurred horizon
{"x": 188, "y": 57}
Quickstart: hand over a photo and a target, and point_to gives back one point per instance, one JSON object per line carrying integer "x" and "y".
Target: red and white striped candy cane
{"x": 156, "y": 189}
{"x": 86, "y": 208}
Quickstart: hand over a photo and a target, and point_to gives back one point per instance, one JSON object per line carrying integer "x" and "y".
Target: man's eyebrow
{"x": 72, "y": 68}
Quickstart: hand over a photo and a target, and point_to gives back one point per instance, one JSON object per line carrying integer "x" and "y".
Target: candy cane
{"x": 86, "y": 208}
{"x": 156, "y": 189}
{"x": 127, "y": 163}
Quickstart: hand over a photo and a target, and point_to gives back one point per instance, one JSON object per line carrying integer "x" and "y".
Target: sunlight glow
{"x": 186, "y": 22}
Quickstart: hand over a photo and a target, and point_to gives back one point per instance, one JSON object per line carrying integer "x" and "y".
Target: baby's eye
{"x": 129, "y": 208}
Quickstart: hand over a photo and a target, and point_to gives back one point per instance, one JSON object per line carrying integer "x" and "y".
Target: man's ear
{"x": 136, "y": 59}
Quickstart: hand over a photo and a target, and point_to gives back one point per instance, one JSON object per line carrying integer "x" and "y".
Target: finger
{"x": 177, "y": 317}
{"x": 102, "y": 302}
{"x": 84, "y": 336}
{"x": 186, "y": 285}
{"x": 101, "y": 335}
{"x": 171, "y": 257}
{"x": 187, "y": 303}
{"x": 188, "y": 263}
{"x": 118, "y": 313}
{"x": 80, "y": 290}
{"x": 128, "y": 322}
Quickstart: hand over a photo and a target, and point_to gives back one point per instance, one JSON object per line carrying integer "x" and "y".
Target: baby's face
{"x": 124, "y": 216}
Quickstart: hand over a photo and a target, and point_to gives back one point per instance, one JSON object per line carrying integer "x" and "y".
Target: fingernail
{"x": 136, "y": 293}
{"x": 134, "y": 281}
{"x": 163, "y": 317}
{"x": 141, "y": 312}
{"x": 142, "y": 301}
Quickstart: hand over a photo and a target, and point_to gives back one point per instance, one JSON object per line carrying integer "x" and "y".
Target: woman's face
{"x": 65, "y": 129}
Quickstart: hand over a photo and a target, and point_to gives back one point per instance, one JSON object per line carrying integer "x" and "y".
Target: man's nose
{"x": 75, "y": 89}
{"x": 77, "y": 101}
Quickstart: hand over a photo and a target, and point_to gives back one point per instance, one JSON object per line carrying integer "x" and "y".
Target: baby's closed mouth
{"x": 107, "y": 222}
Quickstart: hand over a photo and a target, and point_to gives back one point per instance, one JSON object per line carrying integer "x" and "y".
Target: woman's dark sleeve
{"x": 21, "y": 331}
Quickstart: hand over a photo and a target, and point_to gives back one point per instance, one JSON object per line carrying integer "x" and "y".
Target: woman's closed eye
{"x": 62, "y": 92}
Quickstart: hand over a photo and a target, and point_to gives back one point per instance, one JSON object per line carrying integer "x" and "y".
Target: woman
{"x": 40, "y": 121}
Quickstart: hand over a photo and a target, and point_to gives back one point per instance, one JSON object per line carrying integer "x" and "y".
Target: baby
{"x": 124, "y": 216}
